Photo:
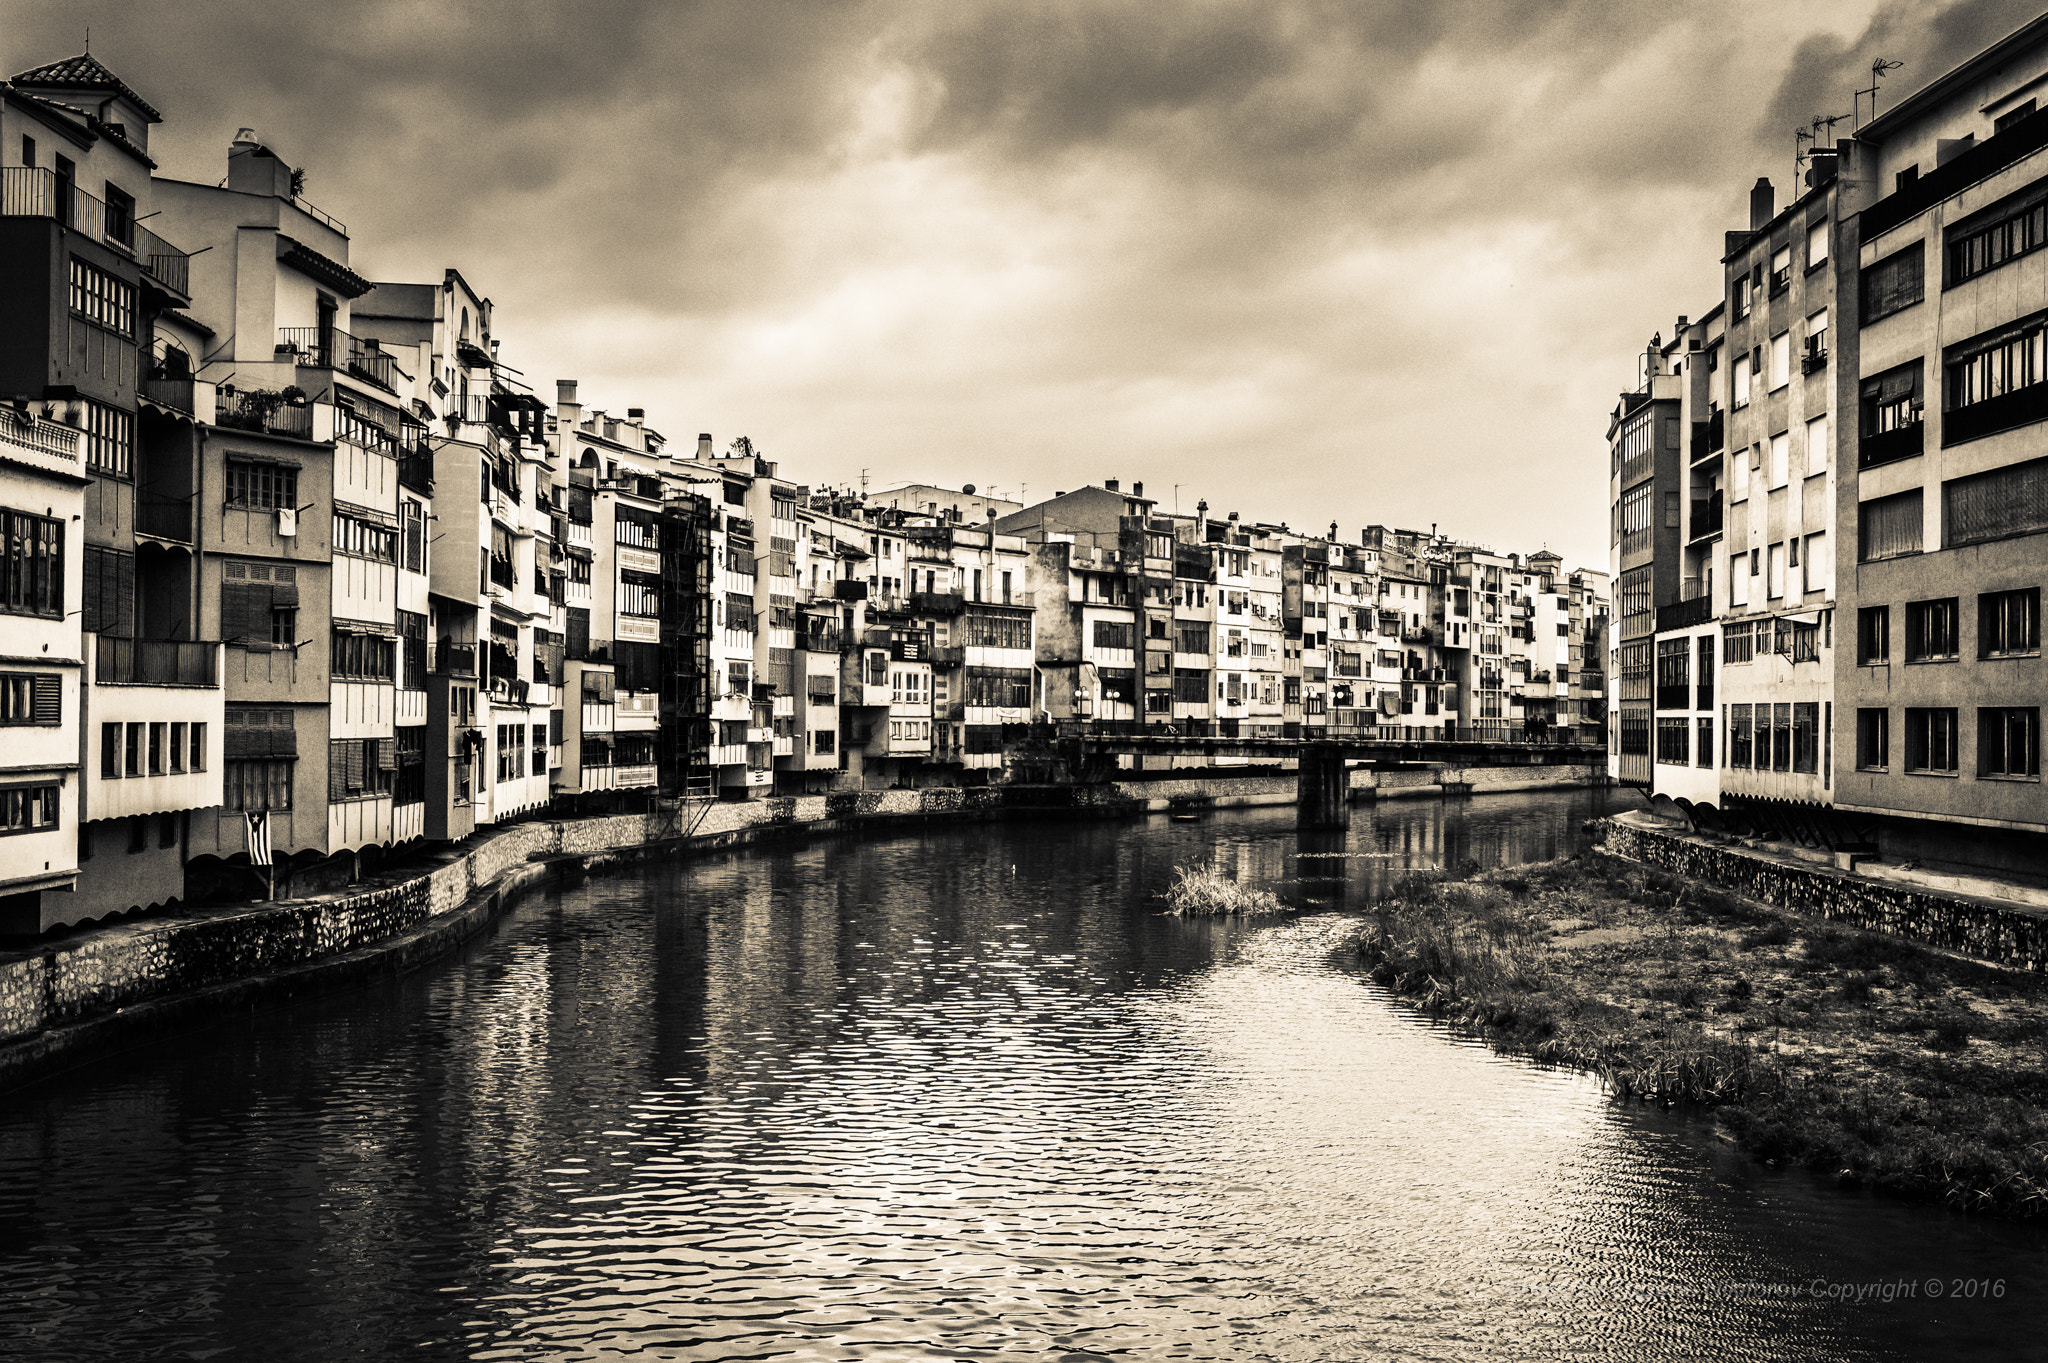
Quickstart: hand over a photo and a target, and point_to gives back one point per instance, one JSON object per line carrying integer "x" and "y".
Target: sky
{"x": 1373, "y": 263}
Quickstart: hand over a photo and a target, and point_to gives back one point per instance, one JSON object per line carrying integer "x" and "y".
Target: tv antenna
{"x": 1879, "y": 69}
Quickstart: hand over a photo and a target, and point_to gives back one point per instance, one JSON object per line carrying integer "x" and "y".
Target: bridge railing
{"x": 1183, "y": 731}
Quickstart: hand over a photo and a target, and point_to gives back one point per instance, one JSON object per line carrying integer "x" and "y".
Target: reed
{"x": 1203, "y": 893}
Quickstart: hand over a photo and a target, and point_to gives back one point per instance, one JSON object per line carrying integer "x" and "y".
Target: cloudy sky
{"x": 1305, "y": 259}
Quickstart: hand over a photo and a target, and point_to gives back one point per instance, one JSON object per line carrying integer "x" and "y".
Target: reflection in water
{"x": 948, "y": 1096}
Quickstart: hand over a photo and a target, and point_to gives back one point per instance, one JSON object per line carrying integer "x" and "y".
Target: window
{"x": 1673, "y": 740}
{"x": 1740, "y": 737}
{"x": 1890, "y": 407}
{"x": 1633, "y": 527}
{"x": 1781, "y": 459}
{"x": 2005, "y": 231}
{"x": 1996, "y": 505}
{"x": 1774, "y": 580}
{"x": 357, "y": 656}
{"x": 1112, "y": 634}
{"x": 1781, "y": 360}
{"x": 1931, "y": 630}
{"x": 262, "y": 487}
{"x": 1816, "y": 446}
{"x": 639, "y": 594}
{"x": 1874, "y": 636}
{"x": 109, "y": 439}
{"x": 258, "y": 783}
{"x": 1743, "y": 295}
{"x": 102, "y": 298}
{"x": 28, "y": 809}
{"x": 1737, "y": 643}
{"x": 2009, "y": 623}
{"x": 1816, "y": 243}
{"x": 1931, "y": 741}
{"x": 1888, "y": 527}
{"x": 1893, "y": 284}
{"x": 1814, "y": 562}
{"x": 1674, "y": 680}
{"x": 1781, "y": 269}
{"x": 1738, "y": 579}
{"x": 1781, "y": 736}
{"x": 1873, "y": 740}
{"x": 1806, "y": 736}
{"x": 1705, "y": 675}
{"x": 1633, "y": 595}
{"x": 31, "y": 698}
{"x": 32, "y": 568}
{"x": 1741, "y": 393}
{"x": 120, "y": 215}
{"x": 2009, "y": 743}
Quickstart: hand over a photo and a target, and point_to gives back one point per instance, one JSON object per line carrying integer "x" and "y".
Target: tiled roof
{"x": 84, "y": 72}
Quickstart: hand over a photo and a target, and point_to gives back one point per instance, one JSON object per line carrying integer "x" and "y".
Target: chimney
{"x": 255, "y": 169}
{"x": 1137, "y": 489}
{"x": 636, "y": 414}
{"x": 568, "y": 411}
{"x": 1762, "y": 203}
{"x": 1233, "y": 516}
{"x": 1112, "y": 484}
{"x": 704, "y": 446}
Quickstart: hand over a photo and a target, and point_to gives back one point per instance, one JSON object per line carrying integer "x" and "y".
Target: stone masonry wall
{"x": 2010, "y": 936}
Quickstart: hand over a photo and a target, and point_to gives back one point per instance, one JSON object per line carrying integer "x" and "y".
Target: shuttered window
{"x": 1894, "y": 283}
{"x": 1889, "y": 527}
{"x": 1995, "y": 505}
{"x": 31, "y": 698}
{"x": 256, "y": 731}
{"x": 259, "y": 603}
{"x": 109, "y": 599}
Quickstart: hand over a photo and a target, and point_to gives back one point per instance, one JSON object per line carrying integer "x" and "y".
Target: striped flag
{"x": 259, "y": 837}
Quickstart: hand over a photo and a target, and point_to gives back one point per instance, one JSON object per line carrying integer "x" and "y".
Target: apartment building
{"x": 110, "y": 689}
{"x": 1940, "y": 691}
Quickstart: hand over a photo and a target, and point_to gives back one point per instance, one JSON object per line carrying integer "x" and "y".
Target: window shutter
{"x": 284, "y": 591}
{"x": 48, "y": 698}
{"x": 245, "y": 611}
{"x": 387, "y": 754}
{"x": 337, "y": 769}
{"x": 355, "y": 764}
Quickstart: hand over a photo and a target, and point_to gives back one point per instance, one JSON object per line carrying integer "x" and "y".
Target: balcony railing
{"x": 455, "y": 660}
{"x": 328, "y": 348}
{"x": 2020, "y": 407}
{"x": 261, "y": 411}
{"x": 167, "y": 518}
{"x": 1708, "y": 436}
{"x": 155, "y": 662}
{"x": 1902, "y": 442}
{"x": 173, "y": 393}
{"x": 1683, "y": 614}
{"x": 31, "y": 192}
{"x": 938, "y": 603}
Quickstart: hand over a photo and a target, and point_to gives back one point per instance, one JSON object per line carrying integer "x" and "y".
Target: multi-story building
{"x": 1942, "y": 492}
{"x": 1644, "y": 491}
{"x": 110, "y": 690}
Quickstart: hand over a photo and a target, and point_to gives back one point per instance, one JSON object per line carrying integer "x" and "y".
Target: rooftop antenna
{"x": 863, "y": 483}
{"x": 1878, "y": 70}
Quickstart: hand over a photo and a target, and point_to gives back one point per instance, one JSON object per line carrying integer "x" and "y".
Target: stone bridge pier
{"x": 1323, "y": 798}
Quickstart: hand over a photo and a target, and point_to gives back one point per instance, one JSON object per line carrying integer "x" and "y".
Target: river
{"x": 955, "y": 1095}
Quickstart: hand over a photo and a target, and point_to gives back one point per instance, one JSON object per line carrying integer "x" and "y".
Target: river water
{"x": 957, "y": 1095}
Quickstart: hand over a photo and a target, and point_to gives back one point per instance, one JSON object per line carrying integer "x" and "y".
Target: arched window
{"x": 465, "y": 324}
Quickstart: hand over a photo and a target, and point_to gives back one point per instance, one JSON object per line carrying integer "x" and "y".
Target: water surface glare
{"x": 961, "y": 1095}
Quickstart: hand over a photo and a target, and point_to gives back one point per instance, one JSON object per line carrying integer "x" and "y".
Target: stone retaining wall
{"x": 2010, "y": 936}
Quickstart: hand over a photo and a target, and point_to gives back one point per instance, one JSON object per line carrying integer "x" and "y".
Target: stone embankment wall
{"x": 1992, "y": 932}
{"x": 1392, "y": 785}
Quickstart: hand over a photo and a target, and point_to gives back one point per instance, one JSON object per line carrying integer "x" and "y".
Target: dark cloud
{"x": 1382, "y": 261}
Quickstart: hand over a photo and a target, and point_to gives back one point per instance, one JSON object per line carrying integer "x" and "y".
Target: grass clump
{"x": 1203, "y": 893}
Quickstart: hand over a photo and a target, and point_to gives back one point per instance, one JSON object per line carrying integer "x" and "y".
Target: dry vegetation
{"x": 1860, "y": 1054}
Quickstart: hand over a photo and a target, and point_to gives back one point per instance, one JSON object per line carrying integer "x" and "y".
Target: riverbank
{"x": 1880, "y": 1060}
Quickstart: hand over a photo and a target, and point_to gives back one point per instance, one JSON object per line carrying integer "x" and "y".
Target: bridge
{"x": 1323, "y": 780}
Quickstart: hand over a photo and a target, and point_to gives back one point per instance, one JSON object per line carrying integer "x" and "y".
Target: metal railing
{"x": 32, "y": 192}
{"x": 262, "y": 411}
{"x": 331, "y": 348}
{"x": 1706, "y": 516}
{"x": 155, "y": 662}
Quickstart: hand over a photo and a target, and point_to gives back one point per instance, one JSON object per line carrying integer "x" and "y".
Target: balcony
{"x": 1696, "y": 611}
{"x": 1706, "y": 517}
{"x": 180, "y": 394}
{"x": 455, "y": 660}
{"x": 155, "y": 662}
{"x": 1709, "y": 436}
{"x": 416, "y": 471}
{"x": 165, "y": 518}
{"x": 30, "y": 192}
{"x": 849, "y": 589}
{"x": 328, "y": 348}
{"x": 1419, "y": 636}
{"x": 943, "y": 655}
{"x": 2020, "y": 407}
{"x": 1888, "y": 446}
{"x": 262, "y": 411}
{"x": 821, "y": 641}
{"x": 51, "y": 446}
{"x": 938, "y": 603}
